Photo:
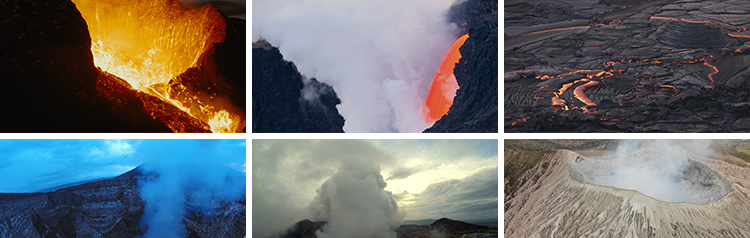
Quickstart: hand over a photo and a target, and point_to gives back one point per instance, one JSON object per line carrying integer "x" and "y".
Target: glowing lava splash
{"x": 148, "y": 43}
{"x": 444, "y": 85}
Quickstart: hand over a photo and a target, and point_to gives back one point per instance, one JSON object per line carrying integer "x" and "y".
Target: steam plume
{"x": 355, "y": 203}
{"x": 652, "y": 167}
{"x": 379, "y": 56}
{"x": 173, "y": 188}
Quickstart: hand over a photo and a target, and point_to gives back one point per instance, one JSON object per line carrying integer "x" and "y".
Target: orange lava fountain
{"x": 437, "y": 102}
{"x": 149, "y": 42}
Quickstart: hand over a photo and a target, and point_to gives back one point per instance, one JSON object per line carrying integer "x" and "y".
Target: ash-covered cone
{"x": 687, "y": 35}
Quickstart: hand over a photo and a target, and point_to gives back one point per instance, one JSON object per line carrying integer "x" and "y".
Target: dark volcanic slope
{"x": 106, "y": 208}
{"x": 443, "y": 226}
{"x": 48, "y": 75}
{"x": 627, "y": 66}
{"x": 301, "y": 229}
{"x": 278, "y": 105}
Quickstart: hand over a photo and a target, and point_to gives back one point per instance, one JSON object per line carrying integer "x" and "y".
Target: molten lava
{"x": 578, "y": 92}
{"x": 148, "y": 43}
{"x": 444, "y": 85}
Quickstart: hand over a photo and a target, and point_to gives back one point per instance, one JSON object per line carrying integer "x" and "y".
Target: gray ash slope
{"x": 106, "y": 208}
{"x": 644, "y": 66}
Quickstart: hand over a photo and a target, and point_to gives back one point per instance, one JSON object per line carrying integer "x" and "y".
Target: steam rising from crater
{"x": 355, "y": 203}
{"x": 379, "y": 56}
{"x": 177, "y": 187}
{"x": 666, "y": 170}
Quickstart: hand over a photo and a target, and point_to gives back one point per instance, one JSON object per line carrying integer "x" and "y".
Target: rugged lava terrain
{"x": 627, "y": 66}
{"x": 106, "y": 208}
{"x": 551, "y": 202}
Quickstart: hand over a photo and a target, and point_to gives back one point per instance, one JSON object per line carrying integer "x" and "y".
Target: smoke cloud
{"x": 355, "y": 203}
{"x": 175, "y": 187}
{"x": 379, "y": 56}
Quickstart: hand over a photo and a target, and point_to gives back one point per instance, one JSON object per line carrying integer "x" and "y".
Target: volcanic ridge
{"x": 110, "y": 208}
{"x": 443, "y": 227}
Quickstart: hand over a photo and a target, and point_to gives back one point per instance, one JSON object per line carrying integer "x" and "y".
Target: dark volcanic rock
{"x": 220, "y": 77}
{"x": 444, "y": 226}
{"x": 626, "y": 66}
{"x": 302, "y": 229}
{"x": 686, "y": 35}
{"x": 278, "y": 103}
{"x": 474, "y": 108}
{"x": 134, "y": 102}
{"x": 105, "y": 208}
{"x": 457, "y": 226}
{"x": 228, "y": 60}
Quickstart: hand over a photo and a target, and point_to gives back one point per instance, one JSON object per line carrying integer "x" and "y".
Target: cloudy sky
{"x": 34, "y": 165}
{"x": 428, "y": 179}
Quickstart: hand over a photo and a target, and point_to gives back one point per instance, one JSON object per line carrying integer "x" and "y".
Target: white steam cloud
{"x": 379, "y": 56}
{"x": 355, "y": 204}
{"x": 652, "y": 167}
{"x": 175, "y": 187}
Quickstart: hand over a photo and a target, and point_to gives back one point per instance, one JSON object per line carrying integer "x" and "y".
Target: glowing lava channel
{"x": 147, "y": 43}
{"x": 443, "y": 90}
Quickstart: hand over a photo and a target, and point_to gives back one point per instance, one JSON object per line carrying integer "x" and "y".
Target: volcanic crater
{"x": 690, "y": 181}
{"x": 559, "y": 197}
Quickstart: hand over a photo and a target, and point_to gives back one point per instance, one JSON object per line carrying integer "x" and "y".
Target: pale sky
{"x": 430, "y": 179}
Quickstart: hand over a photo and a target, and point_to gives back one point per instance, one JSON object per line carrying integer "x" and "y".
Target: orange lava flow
{"x": 444, "y": 85}
{"x": 149, "y": 42}
{"x": 672, "y": 87}
{"x": 578, "y": 92}
{"x": 711, "y": 75}
{"x": 736, "y": 35}
{"x": 706, "y": 22}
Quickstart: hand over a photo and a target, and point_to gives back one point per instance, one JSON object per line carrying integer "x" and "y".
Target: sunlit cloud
{"x": 119, "y": 147}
